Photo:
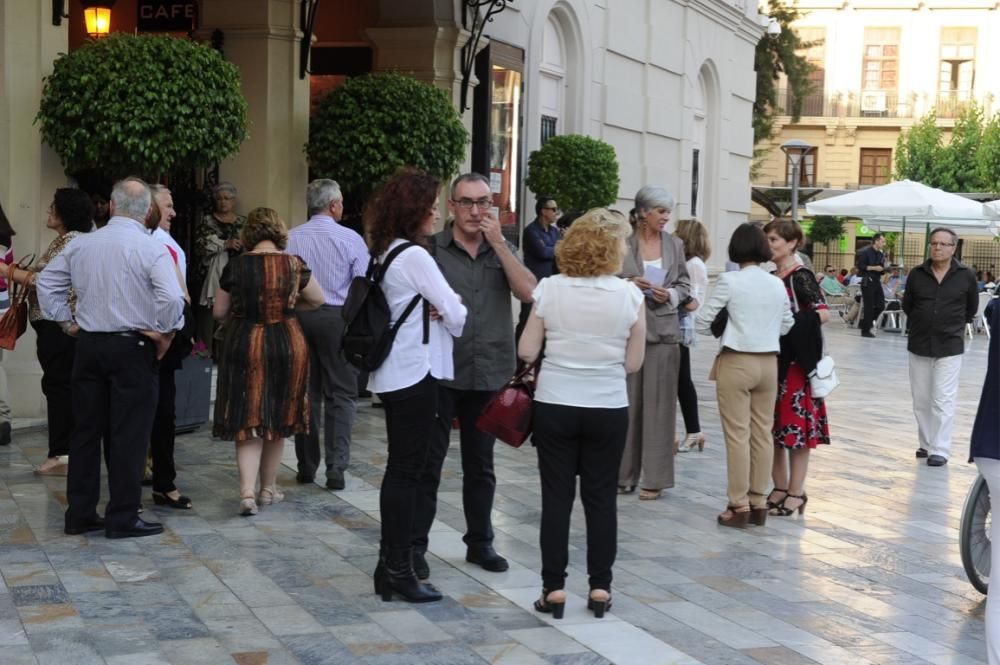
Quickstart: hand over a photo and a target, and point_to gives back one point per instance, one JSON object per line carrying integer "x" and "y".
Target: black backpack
{"x": 369, "y": 335}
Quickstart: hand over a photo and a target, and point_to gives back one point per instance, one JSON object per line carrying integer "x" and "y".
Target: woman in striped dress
{"x": 264, "y": 361}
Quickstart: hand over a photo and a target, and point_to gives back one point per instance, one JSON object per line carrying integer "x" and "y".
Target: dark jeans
{"x": 575, "y": 441}
{"x": 478, "y": 480}
{"x": 115, "y": 388}
{"x": 333, "y": 394}
{"x": 686, "y": 393}
{"x": 872, "y": 301}
{"x": 161, "y": 442}
{"x": 409, "y": 424}
{"x": 56, "y": 351}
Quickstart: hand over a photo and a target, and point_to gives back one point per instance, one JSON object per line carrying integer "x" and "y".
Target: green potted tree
{"x": 151, "y": 106}
{"x": 372, "y": 125}
{"x": 578, "y": 171}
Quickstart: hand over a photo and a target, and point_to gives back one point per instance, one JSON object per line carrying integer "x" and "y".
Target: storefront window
{"x": 505, "y": 144}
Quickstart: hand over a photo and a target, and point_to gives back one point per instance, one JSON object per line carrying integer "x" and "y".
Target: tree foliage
{"x": 988, "y": 157}
{"x": 777, "y": 55}
{"x": 142, "y": 104}
{"x": 826, "y": 228}
{"x": 956, "y": 162}
{"x": 578, "y": 171}
{"x": 917, "y": 151}
{"x": 372, "y": 125}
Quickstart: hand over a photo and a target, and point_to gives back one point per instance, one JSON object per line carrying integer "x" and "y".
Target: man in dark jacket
{"x": 871, "y": 265}
{"x": 940, "y": 298}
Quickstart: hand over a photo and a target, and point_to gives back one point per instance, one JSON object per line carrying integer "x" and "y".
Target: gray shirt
{"x": 484, "y": 354}
{"x": 123, "y": 279}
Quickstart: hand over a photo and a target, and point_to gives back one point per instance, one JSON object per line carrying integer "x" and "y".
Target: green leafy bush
{"x": 579, "y": 172}
{"x": 144, "y": 105}
{"x": 372, "y": 125}
{"x": 826, "y": 228}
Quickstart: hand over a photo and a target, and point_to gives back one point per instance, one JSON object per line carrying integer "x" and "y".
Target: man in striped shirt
{"x": 128, "y": 304}
{"x": 336, "y": 255}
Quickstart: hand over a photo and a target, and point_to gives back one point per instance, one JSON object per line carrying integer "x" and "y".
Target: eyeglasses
{"x": 467, "y": 204}
{"x": 942, "y": 244}
{"x": 831, "y": 272}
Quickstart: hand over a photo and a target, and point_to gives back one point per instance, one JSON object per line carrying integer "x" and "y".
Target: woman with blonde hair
{"x": 593, "y": 327}
{"x": 264, "y": 360}
{"x": 654, "y": 261}
{"x": 697, "y": 249}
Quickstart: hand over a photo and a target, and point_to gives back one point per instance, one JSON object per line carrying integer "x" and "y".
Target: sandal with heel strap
{"x": 248, "y": 506}
{"x": 774, "y": 504}
{"x": 599, "y": 602}
{"x": 781, "y": 510}
{"x": 270, "y": 495}
{"x": 552, "y": 602}
{"x": 738, "y": 516}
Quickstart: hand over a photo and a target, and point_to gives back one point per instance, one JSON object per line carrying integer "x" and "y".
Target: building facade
{"x": 668, "y": 83}
{"x": 880, "y": 66}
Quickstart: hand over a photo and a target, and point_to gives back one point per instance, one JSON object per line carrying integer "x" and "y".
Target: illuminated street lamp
{"x": 795, "y": 150}
{"x": 97, "y": 14}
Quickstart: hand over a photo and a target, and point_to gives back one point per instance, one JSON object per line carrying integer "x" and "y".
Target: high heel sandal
{"x": 758, "y": 516}
{"x": 694, "y": 440}
{"x": 163, "y": 499}
{"x": 739, "y": 516}
{"x": 248, "y": 506}
{"x": 270, "y": 495}
{"x": 649, "y": 495}
{"x": 599, "y": 603}
{"x": 552, "y": 602}
{"x": 774, "y": 504}
{"x": 781, "y": 510}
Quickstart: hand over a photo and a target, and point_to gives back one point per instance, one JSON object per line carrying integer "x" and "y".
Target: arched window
{"x": 553, "y": 80}
{"x": 698, "y": 145}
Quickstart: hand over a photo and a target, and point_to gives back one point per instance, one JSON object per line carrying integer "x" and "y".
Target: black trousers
{"x": 115, "y": 387}
{"x": 872, "y": 301}
{"x": 478, "y": 480}
{"x": 56, "y": 351}
{"x": 686, "y": 393}
{"x": 161, "y": 442}
{"x": 409, "y": 425}
{"x": 575, "y": 441}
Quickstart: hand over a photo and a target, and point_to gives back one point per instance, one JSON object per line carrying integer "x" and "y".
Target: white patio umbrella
{"x": 906, "y": 201}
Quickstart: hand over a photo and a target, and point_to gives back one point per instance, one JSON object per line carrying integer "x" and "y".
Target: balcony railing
{"x": 866, "y": 104}
{"x": 951, "y": 104}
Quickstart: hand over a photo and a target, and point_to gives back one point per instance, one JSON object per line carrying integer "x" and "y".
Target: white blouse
{"x": 413, "y": 272}
{"x": 587, "y": 323}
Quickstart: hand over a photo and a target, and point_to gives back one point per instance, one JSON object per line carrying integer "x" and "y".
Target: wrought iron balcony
{"x": 863, "y": 104}
{"x": 950, "y": 104}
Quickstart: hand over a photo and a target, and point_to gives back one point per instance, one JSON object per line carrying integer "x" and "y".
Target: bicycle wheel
{"x": 974, "y": 535}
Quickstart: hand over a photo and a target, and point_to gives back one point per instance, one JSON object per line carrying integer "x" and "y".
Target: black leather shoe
{"x": 5, "y": 434}
{"x": 420, "y": 566}
{"x": 335, "y": 480}
{"x": 303, "y": 479}
{"x": 867, "y": 333}
{"x": 936, "y": 460}
{"x": 138, "y": 529}
{"x": 921, "y": 453}
{"x": 79, "y": 528}
{"x": 487, "y": 558}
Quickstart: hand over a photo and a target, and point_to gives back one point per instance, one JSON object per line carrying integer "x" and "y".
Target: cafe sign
{"x": 167, "y": 15}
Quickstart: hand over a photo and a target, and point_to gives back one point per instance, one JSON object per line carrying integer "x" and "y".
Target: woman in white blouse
{"x": 406, "y": 210}
{"x": 697, "y": 249}
{"x": 594, "y": 329}
{"x": 746, "y": 370}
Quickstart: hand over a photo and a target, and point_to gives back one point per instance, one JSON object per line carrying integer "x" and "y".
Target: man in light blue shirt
{"x": 129, "y": 303}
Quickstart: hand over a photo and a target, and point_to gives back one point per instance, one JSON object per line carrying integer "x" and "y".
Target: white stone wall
{"x": 634, "y": 72}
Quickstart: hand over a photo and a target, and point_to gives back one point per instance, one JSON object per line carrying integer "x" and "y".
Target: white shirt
{"x": 699, "y": 280}
{"x": 414, "y": 272}
{"x": 759, "y": 313}
{"x": 167, "y": 239}
{"x": 587, "y": 322}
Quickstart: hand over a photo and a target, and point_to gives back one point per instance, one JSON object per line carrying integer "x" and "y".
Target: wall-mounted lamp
{"x": 773, "y": 27}
{"x": 58, "y": 11}
{"x": 97, "y": 14}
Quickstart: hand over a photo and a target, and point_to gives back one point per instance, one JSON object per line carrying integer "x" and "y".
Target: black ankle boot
{"x": 398, "y": 578}
{"x": 420, "y": 566}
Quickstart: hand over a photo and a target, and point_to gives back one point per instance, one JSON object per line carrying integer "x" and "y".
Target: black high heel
{"x": 774, "y": 504}
{"x": 552, "y": 602}
{"x": 163, "y": 499}
{"x": 781, "y": 510}
{"x": 599, "y": 605}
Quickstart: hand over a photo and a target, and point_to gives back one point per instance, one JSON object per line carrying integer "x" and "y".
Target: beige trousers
{"x": 652, "y": 419}
{"x": 746, "y": 386}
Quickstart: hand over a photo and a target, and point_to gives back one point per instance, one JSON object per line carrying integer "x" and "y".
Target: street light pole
{"x": 795, "y": 150}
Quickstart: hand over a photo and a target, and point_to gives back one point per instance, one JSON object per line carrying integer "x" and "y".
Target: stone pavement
{"x": 870, "y": 574}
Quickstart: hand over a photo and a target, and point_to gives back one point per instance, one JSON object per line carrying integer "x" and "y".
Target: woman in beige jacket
{"x": 655, "y": 263}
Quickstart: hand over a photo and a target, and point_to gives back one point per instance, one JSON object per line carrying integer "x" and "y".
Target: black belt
{"x": 120, "y": 333}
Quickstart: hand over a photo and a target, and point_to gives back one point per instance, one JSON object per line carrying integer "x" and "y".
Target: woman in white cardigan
{"x": 746, "y": 370}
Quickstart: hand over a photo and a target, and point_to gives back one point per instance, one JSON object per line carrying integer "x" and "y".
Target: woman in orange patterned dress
{"x": 264, "y": 361}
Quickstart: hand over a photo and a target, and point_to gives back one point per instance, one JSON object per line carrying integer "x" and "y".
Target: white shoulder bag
{"x": 822, "y": 380}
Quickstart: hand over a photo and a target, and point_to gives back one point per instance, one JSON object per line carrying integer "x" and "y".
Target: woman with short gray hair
{"x": 216, "y": 239}
{"x": 655, "y": 263}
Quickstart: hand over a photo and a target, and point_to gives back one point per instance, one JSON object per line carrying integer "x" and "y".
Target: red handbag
{"x": 15, "y": 320}
{"x": 507, "y": 415}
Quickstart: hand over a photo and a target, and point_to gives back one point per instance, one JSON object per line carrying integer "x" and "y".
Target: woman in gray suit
{"x": 655, "y": 263}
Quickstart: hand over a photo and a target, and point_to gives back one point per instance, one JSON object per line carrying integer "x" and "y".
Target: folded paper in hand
{"x": 656, "y": 276}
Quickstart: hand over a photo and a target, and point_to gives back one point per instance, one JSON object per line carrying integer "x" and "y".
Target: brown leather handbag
{"x": 507, "y": 415}
{"x": 15, "y": 320}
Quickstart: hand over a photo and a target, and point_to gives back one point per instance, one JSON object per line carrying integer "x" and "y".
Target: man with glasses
{"x": 540, "y": 238}
{"x": 482, "y": 267}
{"x": 940, "y": 298}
